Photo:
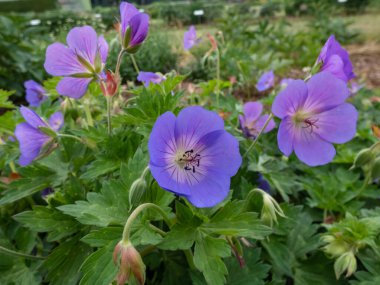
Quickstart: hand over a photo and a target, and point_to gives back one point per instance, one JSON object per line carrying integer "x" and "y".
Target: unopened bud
{"x": 335, "y": 247}
{"x": 136, "y": 192}
{"x": 111, "y": 84}
{"x": 131, "y": 265}
{"x": 270, "y": 209}
{"x": 376, "y": 169}
{"x": 346, "y": 262}
{"x": 364, "y": 157}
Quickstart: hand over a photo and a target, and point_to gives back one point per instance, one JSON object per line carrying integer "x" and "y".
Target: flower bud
{"x": 136, "y": 192}
{"x": 335, "y": 247}
{"x": 270, "y": 209}
{"x": 131, "y": 265}
{"x": 364, "y": 157}
{"x": 110, "y": 86}
{"x": 346, "y": 262}
{"x": 376, "y": 169}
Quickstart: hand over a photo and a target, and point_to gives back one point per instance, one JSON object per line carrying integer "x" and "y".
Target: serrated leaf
{"x": 4, "y": 99}
{"x": 100, "y": 167}
{"x": 43, "y": 219}
{"x": 103, "y": 237}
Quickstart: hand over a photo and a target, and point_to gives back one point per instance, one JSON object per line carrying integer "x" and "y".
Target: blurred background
{"x": 253, "y": 36}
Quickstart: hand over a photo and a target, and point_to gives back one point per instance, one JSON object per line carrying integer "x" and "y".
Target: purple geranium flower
{"x": 190, "y": 38}
{"x": 193, "y": 156}
{"x": 150, "y": 77}
{"x": 134, "y": 27}
{"x": 31, "y": 138}
{"x": 35, "y": 93}
{"x": 336, "y": 60}
{"x": 252, "y": 122}
{"x": 81, "y": 62}
{"x": 314, "y": 116}
{"x": 266, "y": 81}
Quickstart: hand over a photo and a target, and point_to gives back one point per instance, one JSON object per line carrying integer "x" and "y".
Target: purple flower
{"x": 336, "y": 60}
{"x": 150, "y": 77}
{"x": 252, "y": 122}
{"x": 30, "y": 136}
{"x": 266, "y": 81}
{"x": 81, "y": 62}
{"x": 263, "y": 184}
{"x": 134, "y": 27}
{"x": 193, "y": 156}
{"x": 285, "y": 82}
{"x": 35, "y": 93}
{"x": 314, "y": 116}
{"x": 190, "y": 38}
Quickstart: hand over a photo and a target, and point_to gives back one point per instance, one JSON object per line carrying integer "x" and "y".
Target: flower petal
{"x": 61, "y": 61}
{"x": 56, "y": 121}
{"x": 139, "y": 28}
{"x": 261, "y": 122}
{"x": 325, "y": 92}
{"x": 35, "y": 93}
{"x": 32, "y": 118}
{"x": 335, "y": 66}
{"x": 337, "y": 125}
{"x": 285, "y": 136}
{"x": 311, "y": 149}
{"x": 73, "y": 87}
{"x": 193, "y": 123}
{"x": 103, "y": 49}
{"x": 83, "y": 41}
{"x": 127, "y": 11}
{"x": 31, "y": 141}
{"x": 219, "y": 151}
{"x": 211, "y": 191}
{"x": 289, "y": 100}
{"x": 252, "y": 111}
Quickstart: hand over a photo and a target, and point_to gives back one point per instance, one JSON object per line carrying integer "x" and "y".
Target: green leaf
{"x": 64, "y": 262}
{"x": 43, "y": 219}
{"x": 103, "y": 237}
{"x": 98, "y": 268}
{"x": 4, "y": 99}
{"x": 100, "y": 167}
{"x": 208, "y": 254}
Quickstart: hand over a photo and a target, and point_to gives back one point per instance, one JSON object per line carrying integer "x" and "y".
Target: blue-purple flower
{"x": 190, "y": 38}
{"x": 266, "y": 81}
{"x": 336, "y": 60}
{"x": 31, "y": 137}
{"x": 314, "y": 116}
{"x": 150, "y": 77}
{"x": 193, "y": 156}
{"x": 80, "y": 62}
{"x": 35, "y": 93}
{"x": 251, "y": 122}
{"x": 134, "y": 27}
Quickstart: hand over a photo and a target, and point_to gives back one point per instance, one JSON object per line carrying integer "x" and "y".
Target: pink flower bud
{"x": 109, "y": 87}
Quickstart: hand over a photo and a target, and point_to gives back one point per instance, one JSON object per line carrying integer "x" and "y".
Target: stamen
{"x": 189, "y": 160}
{"x": 310, "y": 123}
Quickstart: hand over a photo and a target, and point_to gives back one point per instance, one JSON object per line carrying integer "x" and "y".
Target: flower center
{"x": 304, "y": 121}
{"x": 189, "y": 160}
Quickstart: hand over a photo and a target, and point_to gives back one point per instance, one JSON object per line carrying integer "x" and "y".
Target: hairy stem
{"x": 118, "y": 63}
{"x": 109, "y": 106}
{"x": 135, "y": 64}
{"x": 16, "y": 253}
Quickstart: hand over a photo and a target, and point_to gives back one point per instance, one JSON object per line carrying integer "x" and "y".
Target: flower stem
{"x": 109, "y": 105}
{"x": 12, "y": 166}
{"x": 70, "y": 136}
{"x": 135, "y": 64}
{"x": 217, "y": 76}
{"x": 118, "y": 63}
{"x": 261, "y": 131}
{"x": 15, "y": 253}
{"x": 87, "y": 111}
{"x": 189, "y": 258}
{"x": 136, "y": 212}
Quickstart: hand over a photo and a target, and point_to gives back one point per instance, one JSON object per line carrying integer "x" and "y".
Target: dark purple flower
{"x": 80, "y": 62}
{"x": 150, "y": 77}
{"x": 285, "y": 82}
{"x": 190, "y": 38}
{"x": 314, "y": 116}
{"x": 336, "y": 60}
{"x": 266, "y": 81}
{"x": 193, "y": 156}
{"x": 35, "y": 93}
{"x": 134, "y": 27}
{"x": 252, "y": 122}
{"x": 46, "y": 192}
{"x": 30, "y": 136}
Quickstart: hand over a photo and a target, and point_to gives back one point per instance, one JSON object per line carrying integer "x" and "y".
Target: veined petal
{"x": 285, "y": 136}
{"x": 73, "y": 87}
{"x": 325, "y": 92}
{"x": 62, "y": 61}
{"x": 335, "y": 66}
{"x": 103, "y": 49}
{"x": 127, "y": 11}
{"x": 289, "y": 100}
{"x": 252, "y": 111}
{"x": 337, "y": 125}
{"x": 261, "y": 122}
{"x": 31, "y": 141}
{"x": 56, "y": 121}
{"x": 193, "y": 123}
{"x": 139, "y": 25}
{"x": 32, "y": 118}
{"x": 311, "y": 149}
{"x": 83, "y": 41}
